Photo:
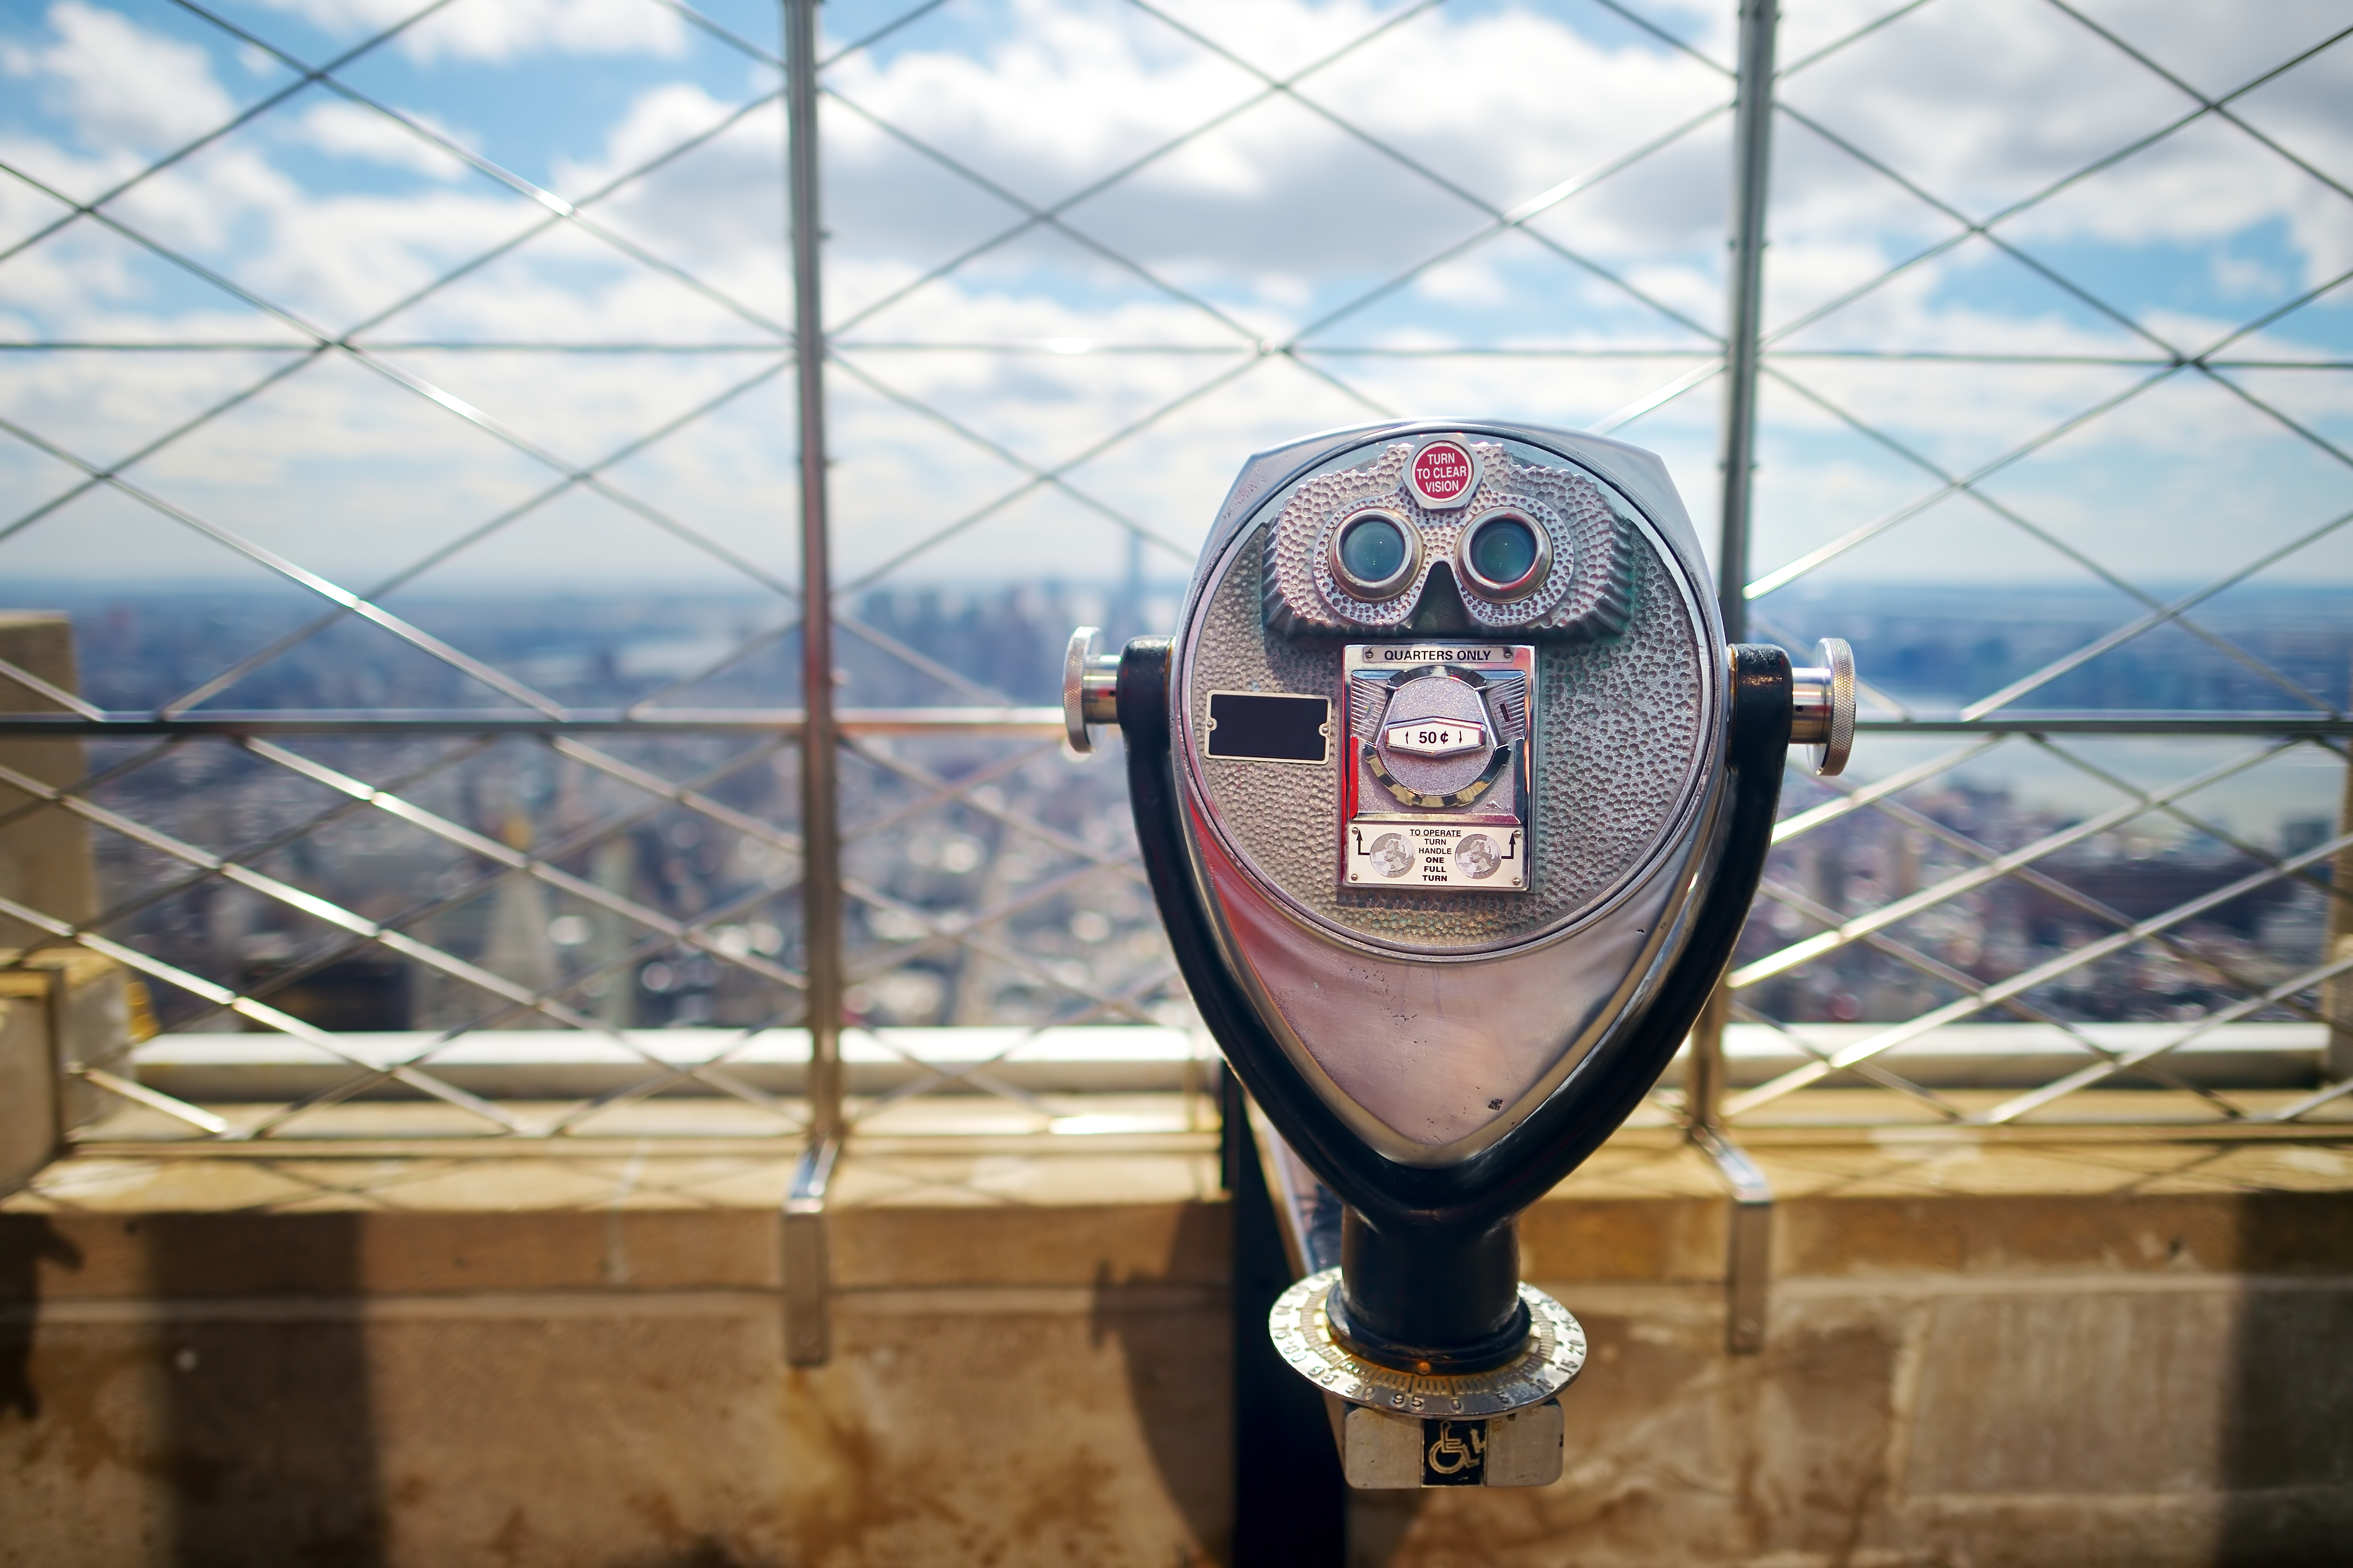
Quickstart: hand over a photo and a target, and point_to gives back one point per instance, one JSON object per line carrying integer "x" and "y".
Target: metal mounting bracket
{"x": 1749, "y": 1253}
{"x": 807, "y": 1258}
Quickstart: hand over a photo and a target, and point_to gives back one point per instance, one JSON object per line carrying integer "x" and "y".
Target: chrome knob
{"x": 1822, "y": 702}
{"x": 1090, "y": 689}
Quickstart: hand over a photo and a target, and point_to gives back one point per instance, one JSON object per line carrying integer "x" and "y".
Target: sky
{"x": 1082, "y": 257}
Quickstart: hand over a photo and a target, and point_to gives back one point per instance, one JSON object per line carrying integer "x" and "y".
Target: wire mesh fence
{"x": 402, "y": 404}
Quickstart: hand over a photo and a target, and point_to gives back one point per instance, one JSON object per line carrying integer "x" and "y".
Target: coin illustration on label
{"x": 1477, "y": 856}
{"x": 1443, "y": 473}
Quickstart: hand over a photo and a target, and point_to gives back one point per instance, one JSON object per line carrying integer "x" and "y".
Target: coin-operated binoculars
{"x": 1453, "y": 800}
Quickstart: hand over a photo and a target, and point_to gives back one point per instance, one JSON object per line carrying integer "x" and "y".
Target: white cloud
{"x": 118, "y": 83}
{"x": 658, "y": 120}
{"x": 1278, "y": 215}
{"x": 1988, "y": 104}
{"x": 1504, "y": 104}
{"x": 345, "y": 130}
{"x": 501, "y": 31}
{"x": 1465, "y": 283}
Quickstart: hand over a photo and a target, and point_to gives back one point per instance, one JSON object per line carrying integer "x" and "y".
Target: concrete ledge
{"x": 2097, "y": 1351}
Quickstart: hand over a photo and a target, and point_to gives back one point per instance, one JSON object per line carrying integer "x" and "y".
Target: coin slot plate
{"x": 1468, "y": 833}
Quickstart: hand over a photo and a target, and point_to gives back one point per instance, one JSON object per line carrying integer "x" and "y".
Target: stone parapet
{"x": 2100, "y": 1349}
{"x": 63, "y": 1011}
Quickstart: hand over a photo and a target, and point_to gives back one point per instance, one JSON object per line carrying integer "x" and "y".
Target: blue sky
{"x": 1258, "y": 212}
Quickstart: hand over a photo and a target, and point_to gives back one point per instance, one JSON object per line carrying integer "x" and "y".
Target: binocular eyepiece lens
{"x": 1374, "y": 555}
{"x": 1504, "y": 555}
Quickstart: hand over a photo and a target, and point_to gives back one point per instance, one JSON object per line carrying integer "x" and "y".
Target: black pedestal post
{"x": 1290, "y": 1503}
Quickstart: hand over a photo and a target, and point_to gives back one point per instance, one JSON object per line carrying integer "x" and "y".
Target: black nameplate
{"x": 1251, "y": 725}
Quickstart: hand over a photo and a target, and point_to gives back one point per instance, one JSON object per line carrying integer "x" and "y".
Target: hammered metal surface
{"x": 1586, "y": 595}
{"x": 1302, "y": 1336}
{"x": 1619, "y": 743}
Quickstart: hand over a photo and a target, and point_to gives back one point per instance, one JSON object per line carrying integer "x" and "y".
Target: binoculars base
{"x": 1379, "y": 1451}
{"x": 1302, "y": 1330}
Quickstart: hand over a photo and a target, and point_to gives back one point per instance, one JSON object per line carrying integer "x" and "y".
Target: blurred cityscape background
{"x": 478, "y": 315}
{"x": 1930, "y": 649}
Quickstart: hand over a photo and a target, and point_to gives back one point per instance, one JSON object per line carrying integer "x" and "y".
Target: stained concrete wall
{"x": 1948, "y": 1379}
{"x": 2121, "y": 1355}
{"x": 571, "y": 1380}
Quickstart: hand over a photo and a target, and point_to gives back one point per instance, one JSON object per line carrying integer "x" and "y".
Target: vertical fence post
{"x": 807, "y": 1338}
{"x": 1749, "y": 1256}
{"x": 1752, "y": 172}
{"x": 1703, "y": 1068}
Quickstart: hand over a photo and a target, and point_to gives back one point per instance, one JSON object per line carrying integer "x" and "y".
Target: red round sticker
{"x": 1443, "y": 474}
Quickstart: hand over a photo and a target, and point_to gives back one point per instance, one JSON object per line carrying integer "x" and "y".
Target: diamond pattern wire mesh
{"x": 570, "y": 878}
{"x": 1941, "y": 877}
{"x": 440, "y": 887}
{"x": 1938, "y": 876}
